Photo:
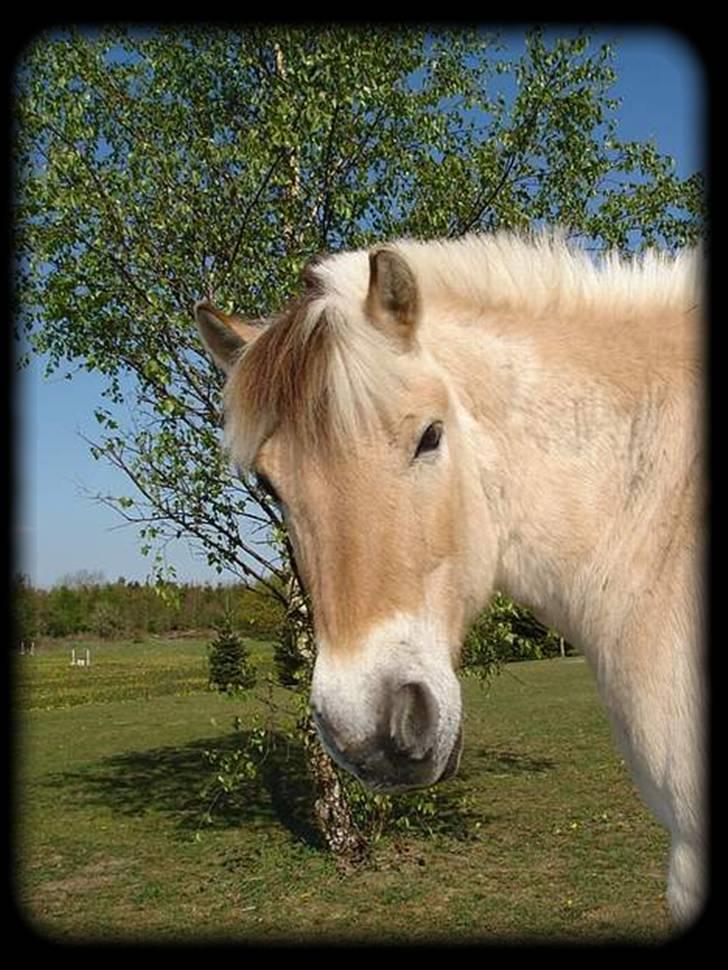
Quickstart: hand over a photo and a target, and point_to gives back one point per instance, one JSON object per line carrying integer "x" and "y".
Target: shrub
{"x": 506, "y": 632}
{"x": 230, "y": 667}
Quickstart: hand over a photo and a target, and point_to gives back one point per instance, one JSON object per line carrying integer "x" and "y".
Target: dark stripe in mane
{"x": 282, "y": 377}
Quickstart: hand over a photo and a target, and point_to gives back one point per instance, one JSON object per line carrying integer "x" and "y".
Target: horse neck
{"x": 571, "y": 463}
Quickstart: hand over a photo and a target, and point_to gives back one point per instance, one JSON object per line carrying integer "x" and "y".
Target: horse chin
{"x": 388, "y": 781}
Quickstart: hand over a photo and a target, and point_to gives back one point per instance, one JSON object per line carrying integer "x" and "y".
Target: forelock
{"x": 318, "y": 369}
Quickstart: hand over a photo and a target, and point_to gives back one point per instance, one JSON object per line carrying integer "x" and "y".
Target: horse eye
{"x": 265, "y": 485}
{"x": 430, "y": 440}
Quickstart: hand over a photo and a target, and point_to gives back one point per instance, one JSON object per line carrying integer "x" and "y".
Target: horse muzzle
{"x": 410, "y": 743}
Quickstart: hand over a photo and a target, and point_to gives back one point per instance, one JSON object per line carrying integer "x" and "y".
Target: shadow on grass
{"x": 504, "y": 762}
{"x": 174, "y": 780}
{"x": 179, "y": 782}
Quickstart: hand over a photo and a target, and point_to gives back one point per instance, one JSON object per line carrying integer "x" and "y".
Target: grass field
{"x": 551, "y": 841}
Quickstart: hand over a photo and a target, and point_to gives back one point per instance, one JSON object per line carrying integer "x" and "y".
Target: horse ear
{"x": 223, "y": 335}
{"x": 393, "y": 300}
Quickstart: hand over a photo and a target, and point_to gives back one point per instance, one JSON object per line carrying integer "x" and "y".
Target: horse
{"x": 439, "y": 419}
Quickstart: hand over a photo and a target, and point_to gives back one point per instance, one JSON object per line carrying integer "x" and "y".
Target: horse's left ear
{"x": 393, "y": 300}
{"x": 223, "y": 334}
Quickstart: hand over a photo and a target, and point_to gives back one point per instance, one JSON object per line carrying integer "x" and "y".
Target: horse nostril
{"x": 413, "y": 721}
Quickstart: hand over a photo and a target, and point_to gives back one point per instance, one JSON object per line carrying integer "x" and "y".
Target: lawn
{"x": 546, "y": 838}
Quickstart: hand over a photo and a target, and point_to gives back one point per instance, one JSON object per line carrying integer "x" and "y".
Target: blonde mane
{"x": 543, "y": 274}
{"x": 321, "y": 369}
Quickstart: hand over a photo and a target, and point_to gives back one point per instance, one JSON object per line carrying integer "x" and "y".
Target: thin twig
{"x": 526, "y": 133}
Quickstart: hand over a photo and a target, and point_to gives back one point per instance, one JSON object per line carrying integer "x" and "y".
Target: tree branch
{"x": 326, "y": 212}
{"x": 525, "y": 135}
{"x": 195, "y": 529}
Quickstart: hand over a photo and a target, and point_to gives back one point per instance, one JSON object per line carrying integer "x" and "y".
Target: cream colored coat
{"x": 569, "y": 475}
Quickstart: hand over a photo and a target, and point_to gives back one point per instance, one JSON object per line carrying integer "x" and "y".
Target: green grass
{"x": 122, "y": 670}
{"x": 551, "y": 841}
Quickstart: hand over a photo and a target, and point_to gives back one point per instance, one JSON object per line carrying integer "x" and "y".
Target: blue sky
{"x": 60, "y": 530}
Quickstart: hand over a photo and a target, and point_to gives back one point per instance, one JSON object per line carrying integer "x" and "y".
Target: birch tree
{"x": 158, "y": 166}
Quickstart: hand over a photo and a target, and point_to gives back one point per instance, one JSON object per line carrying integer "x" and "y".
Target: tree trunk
{"x": 297, "y": 655}
{"x": 333, "y": 816}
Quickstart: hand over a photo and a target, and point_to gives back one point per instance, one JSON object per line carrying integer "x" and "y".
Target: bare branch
{"x": 246, "y": 214}
{"x": 193, "y": 527}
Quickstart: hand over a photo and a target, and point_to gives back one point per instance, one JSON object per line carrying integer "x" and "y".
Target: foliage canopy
{"x": 154, "y": 167}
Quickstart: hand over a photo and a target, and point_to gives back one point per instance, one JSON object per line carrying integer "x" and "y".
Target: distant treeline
{"x": 83, "y": 603}
{"x": 127, "y": 609}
